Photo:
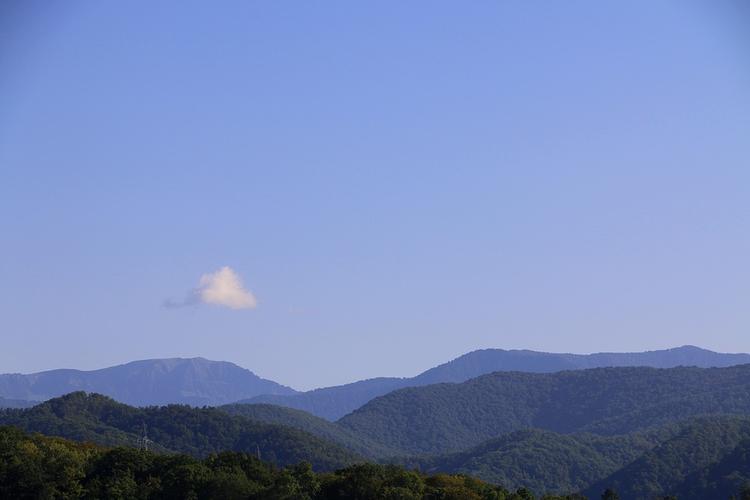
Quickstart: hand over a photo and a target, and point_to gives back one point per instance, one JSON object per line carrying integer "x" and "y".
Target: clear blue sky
{"x": 397, "y": 182}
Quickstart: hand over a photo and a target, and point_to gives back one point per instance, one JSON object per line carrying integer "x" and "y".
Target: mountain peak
{"x": 193, "y": 381}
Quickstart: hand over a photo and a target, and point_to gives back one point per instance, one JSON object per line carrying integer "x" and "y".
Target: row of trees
{"x": 41, "y": 467}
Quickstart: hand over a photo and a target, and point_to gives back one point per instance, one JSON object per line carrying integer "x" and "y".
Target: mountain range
{"x": 442, "y": 418}
{"x": 195, "y": 381}
{"x": 174, "y": 429}
{"x": 333, "y": 403}
{"x": 644, "y": 432}
{"x": 201, "y": 382}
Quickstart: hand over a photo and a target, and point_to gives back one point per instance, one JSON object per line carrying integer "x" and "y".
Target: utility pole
{"x": 144, "y": 441}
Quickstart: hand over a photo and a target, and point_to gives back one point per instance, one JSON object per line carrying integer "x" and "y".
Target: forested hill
{"x": 194, "y": 381}
{"x": 40, "y": 467}
{"x": 298, "y": 419}
{"x": 450, "y": 417}
{"x": 689, "y": 459}
{"x": 708, "y": 458}
{"x": 485, "y": 361}
{"x": 702, "y": 458}
{"x": 175, "y": 428}
{"x": 201, "y": 382}
{"x": 333, "y": 403}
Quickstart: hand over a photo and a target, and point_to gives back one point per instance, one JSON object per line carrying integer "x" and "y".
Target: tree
{"x": 610, "y": 494}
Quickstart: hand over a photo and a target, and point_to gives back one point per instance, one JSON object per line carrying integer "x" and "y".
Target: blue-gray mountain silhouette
{"x": 333, "y": 403}
{"x": 194, "y": 381}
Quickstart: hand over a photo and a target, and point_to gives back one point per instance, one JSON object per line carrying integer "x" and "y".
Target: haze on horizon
{"x": 334, "y": 191}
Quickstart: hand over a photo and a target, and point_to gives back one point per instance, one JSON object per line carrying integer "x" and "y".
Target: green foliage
{"x": 298, "y": 419}
{"x": 376, "y": 482}
{"x": 175, "y": 428}
{"x": 704, "y": 459}
{"x": 542, "y": 461}
{"x": 452, "y": 417}
{"x": 39, "y": 467}
{"x": 332, "y": 403}
{"x": 202, "y": 451}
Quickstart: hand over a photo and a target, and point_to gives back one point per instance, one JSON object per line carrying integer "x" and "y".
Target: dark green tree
{"x": 610, "y": 494}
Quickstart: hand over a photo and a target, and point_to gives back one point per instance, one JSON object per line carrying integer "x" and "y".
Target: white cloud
{"x": 222, "y": 288}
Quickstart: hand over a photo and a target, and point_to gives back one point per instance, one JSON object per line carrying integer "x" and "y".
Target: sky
{"x": 329, "y": 191}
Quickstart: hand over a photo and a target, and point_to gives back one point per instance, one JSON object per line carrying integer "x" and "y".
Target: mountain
{"x": 726, "y": 477}
{"x": 194, "y": 381}
{"x": 16, "y": 403}
{"x": 704, "y": 456}
{"x": 542, "y": 461}
{"x": 701, "y": 457}
{"x": 298, "y": 419}
{"x": 200, "y": 382}
{"x": 174, "y": 428}
{"x": 485, "y": 361}
{"x": 333, "y": 403}
{"x": 445, "y": 418}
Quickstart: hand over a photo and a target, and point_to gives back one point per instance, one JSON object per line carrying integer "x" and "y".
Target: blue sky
{"x": 394, "y": 183}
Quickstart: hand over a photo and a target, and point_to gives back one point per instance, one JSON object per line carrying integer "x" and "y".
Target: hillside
{"x": 194, "y": 381}
{"x": 722, "y": 479}
{"x": 703, "y": 457}
{"x": 174, "y": 428}
{"x": 298, "y": 419}
{"x": 706, "y": 452}
{"x": 485, "y": 361}
{"x": 451, "y": 417}
{"x": 40, "y": 467}
{"x": 333, "y": 403}
{"x": 542, "y": 461}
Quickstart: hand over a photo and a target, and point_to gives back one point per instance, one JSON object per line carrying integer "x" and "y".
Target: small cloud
{"x": 222, "y": 288}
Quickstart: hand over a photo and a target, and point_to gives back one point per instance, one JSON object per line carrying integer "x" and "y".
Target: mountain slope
{"x": 333, "y": 403}
{"x": 673, "y": 466}
{"x": 16, "y": 403}
{"x": 195, "y": 381}
{"x": 485, "y": 361}
{"x": 298, "y": 419}
{"x": 175, "y": 428}
{"x": 722, "y": 479}
{"x": 542, "y": 461}
{"x": 450, "y": 417}
{"x": 702, "y": 457}
{"x": 41, "y": 467}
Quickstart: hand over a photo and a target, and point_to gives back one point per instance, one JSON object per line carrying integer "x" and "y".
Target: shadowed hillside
{"x": 333, "y": 403}
{"x": 450, "y": 417}
{"x": 174, "y": 428}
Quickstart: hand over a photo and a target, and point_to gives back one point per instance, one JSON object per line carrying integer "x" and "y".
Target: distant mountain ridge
{"x": 446, "y": 418}
{"x": 333, "y": 403}
{"x": 201, "y": 382}
{"x": 193, "y": 381}
{"x": 644, "y": 432}
{"x": 485, "y": 361}
{"x": 16, "y": 403}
